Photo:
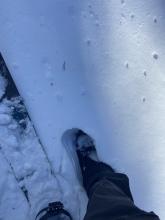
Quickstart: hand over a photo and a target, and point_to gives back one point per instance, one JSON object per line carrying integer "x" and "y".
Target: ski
{"x": 19, "y": 145}
{"x": 27, "y": 158}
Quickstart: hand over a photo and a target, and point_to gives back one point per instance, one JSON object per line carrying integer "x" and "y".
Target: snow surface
{"x": 97, "y": 65}
{"x": 25, "y": 166}
{"x": 2, "y": 86}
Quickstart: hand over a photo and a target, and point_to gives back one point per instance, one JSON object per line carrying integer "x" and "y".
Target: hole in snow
{"x": 64, "y": 66}
{"x": 132, "y": 16}
{"x": 126, "y": 65}
{"x": 145, "y": 73}
{"x": 144, "y": 99}
{"x": 155, "y": 55}
{"x": 88, "y": 42}
{"x": 155, "y": 20}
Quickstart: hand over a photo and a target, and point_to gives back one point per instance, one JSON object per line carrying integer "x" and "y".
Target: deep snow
{"x": 96, "y": 65}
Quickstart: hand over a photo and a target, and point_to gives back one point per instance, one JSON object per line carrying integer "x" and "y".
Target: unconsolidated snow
{"x": 97, "y": 65}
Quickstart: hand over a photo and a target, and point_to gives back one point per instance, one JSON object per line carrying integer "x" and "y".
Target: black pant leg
{"x": 110, "y": 196}
{"x": 108, "y": 202}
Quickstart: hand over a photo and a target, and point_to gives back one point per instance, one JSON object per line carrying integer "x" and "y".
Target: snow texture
{"x": 2, "y": 86}
{"x": 26, "y": 168}
{"x": 97, "y": 65}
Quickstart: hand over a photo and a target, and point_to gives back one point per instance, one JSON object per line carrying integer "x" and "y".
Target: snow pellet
{"x": 4, "y": 109}
{"x": 2, "y": 86}
{"x": 12, "y": 141}
{"x": 28, "y": 167}
{"x": 5, "y": 119}
{"x": 13, "y": 126}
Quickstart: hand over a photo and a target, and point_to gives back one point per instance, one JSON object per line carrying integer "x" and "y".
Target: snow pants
{"x": 110, "y": 196}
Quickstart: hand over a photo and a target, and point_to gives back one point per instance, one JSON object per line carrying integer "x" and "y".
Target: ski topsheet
{"x": 21, "y": 147}
{"x": 26, "y": 157}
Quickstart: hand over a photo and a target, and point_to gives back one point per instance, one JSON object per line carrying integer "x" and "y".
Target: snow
{"x": 2, "y": 86}
{"x": 32, "y": 171}
{"x": 5, "y": 119}
{"x": 94, "y": 65}
{"x": 155, "y": 55}
{"x": 13, "y": 202}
